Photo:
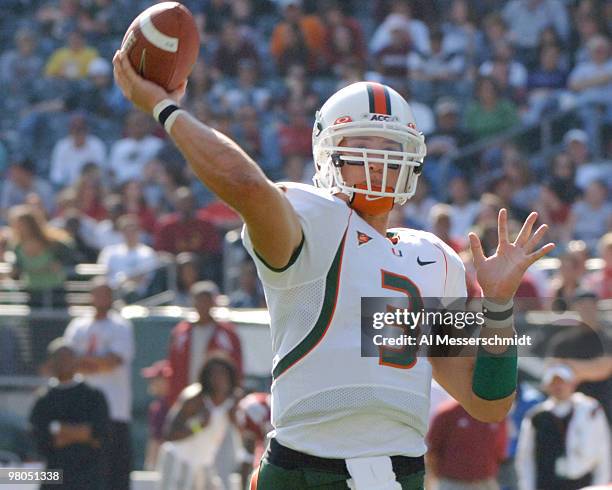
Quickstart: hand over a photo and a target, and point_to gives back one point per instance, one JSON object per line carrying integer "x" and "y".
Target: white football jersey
{"x": 327, "y": 400}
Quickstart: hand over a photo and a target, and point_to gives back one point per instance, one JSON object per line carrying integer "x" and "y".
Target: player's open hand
{"x": 143, "y": 93}
{"x": 500, "y": 275}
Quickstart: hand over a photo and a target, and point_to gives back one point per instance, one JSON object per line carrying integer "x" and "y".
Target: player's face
{"x": 63, "y": 363}
{"x": 220, "y": 380}
{"x": 353, "y": 173}
{"x": 131, "y": 233}
{"x": 203, "y": 303}
{"x": 560, "y": 389}
{"x": 102, "y": 298}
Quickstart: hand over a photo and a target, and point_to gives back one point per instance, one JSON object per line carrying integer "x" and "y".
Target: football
{"x": 162, "y": 44}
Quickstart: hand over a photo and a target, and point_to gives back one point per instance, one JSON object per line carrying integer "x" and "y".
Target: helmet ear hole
{"x": 319, "y": 128}
{"x": 336, "y": 160}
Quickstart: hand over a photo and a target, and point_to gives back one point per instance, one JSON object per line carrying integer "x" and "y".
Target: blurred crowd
{"x": 87, "y": 179}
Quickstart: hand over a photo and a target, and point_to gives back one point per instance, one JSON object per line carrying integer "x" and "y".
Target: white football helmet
{"x": 367, "y": 109}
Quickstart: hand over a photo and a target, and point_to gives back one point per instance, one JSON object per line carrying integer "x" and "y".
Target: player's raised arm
{"x": 222, "y": 166}
{"x": 486, "y": 385}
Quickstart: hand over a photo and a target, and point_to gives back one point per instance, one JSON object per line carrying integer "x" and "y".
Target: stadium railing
{"x": 75, "y": 289}
{"x": 539, "y": 139}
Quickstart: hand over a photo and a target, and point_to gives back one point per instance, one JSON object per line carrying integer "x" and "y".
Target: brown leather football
{"x": 163, "y": 43}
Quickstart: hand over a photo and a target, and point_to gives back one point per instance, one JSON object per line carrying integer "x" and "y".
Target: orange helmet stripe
{"x": 380, "y": 102}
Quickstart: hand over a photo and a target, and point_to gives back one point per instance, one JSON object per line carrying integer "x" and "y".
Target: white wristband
{"x": 498, "y": 316}
{"x": 160, "y": 106}
{"x": 171, "y": 119}
{"x": 496, "y": 307}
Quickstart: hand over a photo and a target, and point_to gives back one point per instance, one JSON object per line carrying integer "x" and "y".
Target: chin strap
{"x": 372, "y": 205}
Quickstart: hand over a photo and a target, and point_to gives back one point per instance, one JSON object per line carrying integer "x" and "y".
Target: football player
{"x": 341, "y": 420}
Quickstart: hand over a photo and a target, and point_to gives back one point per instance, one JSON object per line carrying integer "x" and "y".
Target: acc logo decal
{"x": 382, "y": 117}
{"x": 343, "y": 119}
{"x": 397, "y": 252}
{"x": 412, "y": 125}
{"x": 362, "y": 238}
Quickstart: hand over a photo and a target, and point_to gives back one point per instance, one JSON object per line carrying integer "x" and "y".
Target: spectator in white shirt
{"x": 129, "y": 264}
{"x": 591, "y": 81}
{"x": 564, "y": 442}
{"x": 22, "y": 66}
{"x": 129, "y": 155}
{"x": 71, "y": 153}
{"x": 104, "y": 344}
{"x": 464, "y": 208}
{"x": 591, "y": 216}
{"x": 417, "y": 210}
{"x": 588, "y": 26}
{"x": 20, "y": 182}
{"x": 401, "y": 16}
{"x": 437, "y": 74}
{"x": 460, "y": 33}
{"x": 510, "y": 74}
{"x": 107, "y": 231}
{"x": 528, "y": 18}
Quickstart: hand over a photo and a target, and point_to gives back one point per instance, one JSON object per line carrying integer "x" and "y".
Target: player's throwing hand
{"x": 500, "y": 274}
{"x": 144, "y": 94}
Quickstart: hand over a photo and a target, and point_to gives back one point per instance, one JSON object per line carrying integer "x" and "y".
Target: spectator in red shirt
{"x": 192, "y": 343}
{"x": 463, "y": 452}
{"x": 221, "y": 215}
{"x": 187, "y": 274}
{"x": 134, "y": 202}
{"x": 344, "y": 37}
{"x": 554, "y": 210}
{"x": 295, "y": 136}
{"x": 188, "y": 231}
{"x": 440, "y": 216}
{"x": 527, "y": 296}
{"x": 157, "y": 376}
{"x": 233, "y": 48}
{"x": 392, "y": 60}
{"x": 185, "y": 231}
{"x": 91, "y": 199}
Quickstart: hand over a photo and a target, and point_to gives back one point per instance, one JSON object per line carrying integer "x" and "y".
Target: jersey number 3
{"x": 403, "y": 357}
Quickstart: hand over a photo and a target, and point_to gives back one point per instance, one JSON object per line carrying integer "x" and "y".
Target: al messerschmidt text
{"x": 402, "y": 340}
